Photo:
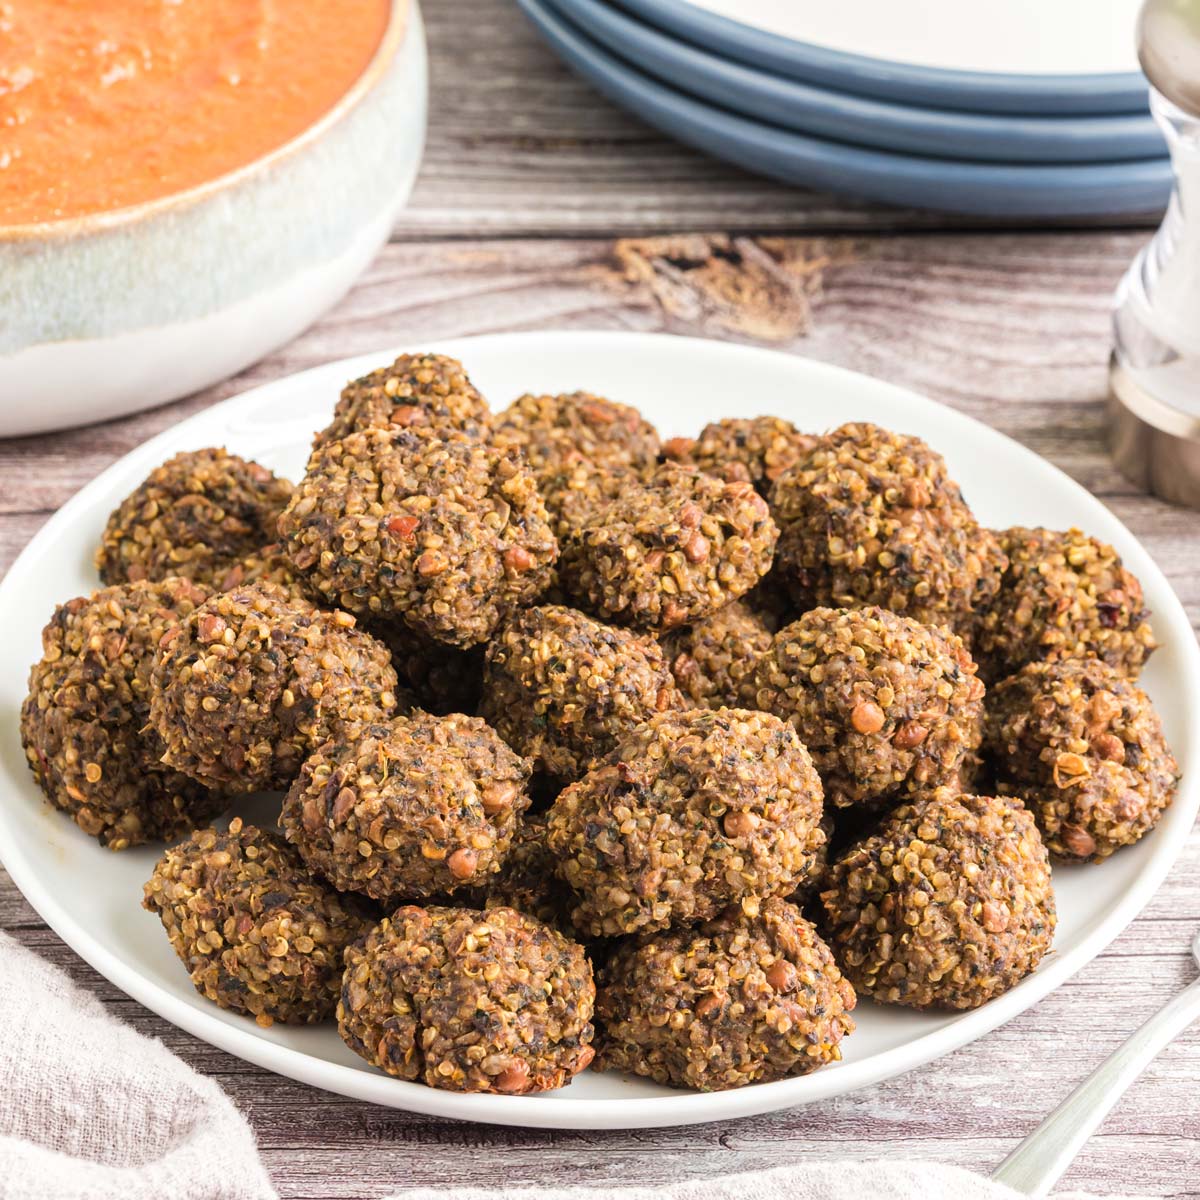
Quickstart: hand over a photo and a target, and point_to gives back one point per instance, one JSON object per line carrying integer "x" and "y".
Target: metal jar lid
{"x": 1154, "y": 444}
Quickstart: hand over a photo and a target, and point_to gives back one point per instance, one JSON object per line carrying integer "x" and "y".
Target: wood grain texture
{"x": 542, "y": 207}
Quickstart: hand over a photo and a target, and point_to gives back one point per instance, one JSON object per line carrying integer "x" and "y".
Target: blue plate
{"x": 863, "y": 120}
{"x": 990, "y": 189}
{"x": 1123, "y": 92}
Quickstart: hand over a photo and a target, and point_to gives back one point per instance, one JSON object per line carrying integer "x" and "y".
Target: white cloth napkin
{"x": 90, "y": 1109}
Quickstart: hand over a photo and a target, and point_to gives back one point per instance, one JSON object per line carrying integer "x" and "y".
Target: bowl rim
{"x": 398, "y": 26}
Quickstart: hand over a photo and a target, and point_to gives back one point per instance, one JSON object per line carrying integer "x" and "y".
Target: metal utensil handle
{"x": 1037, "y": 1164}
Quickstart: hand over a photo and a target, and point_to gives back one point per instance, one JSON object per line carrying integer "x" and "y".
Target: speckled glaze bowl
{"x": 110, "y": 313}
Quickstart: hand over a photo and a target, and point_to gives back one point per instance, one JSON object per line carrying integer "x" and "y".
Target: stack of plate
{"x": 1030, "y": 108}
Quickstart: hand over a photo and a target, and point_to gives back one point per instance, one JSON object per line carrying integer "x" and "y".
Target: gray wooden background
{"x": 540, "y": 206}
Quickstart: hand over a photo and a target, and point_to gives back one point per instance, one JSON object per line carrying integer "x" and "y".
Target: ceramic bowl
{"x": 113, "y": 312}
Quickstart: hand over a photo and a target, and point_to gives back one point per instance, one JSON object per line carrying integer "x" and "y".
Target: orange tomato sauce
{"x": 109, "y": 103}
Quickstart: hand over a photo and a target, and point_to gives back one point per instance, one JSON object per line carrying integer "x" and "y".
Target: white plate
{"x": 1018, "y": 37}
{"x": 91, "y": 896}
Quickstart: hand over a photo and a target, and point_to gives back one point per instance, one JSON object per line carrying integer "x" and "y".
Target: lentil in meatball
{"x": 1064, "y": 595}
{"x": 947, "y": 905}
{"x": 84, "y": 722}
{"x": 562, "y": 688}
{"x": 888, "y": 708}
{"x": 195, "y": 516}
{"x": 256, "y": 932}
{"x": 429, "y": 391}
{"x": 1084, "y": 748}
{"x": 446, "y": 535}
{"x": 737, "y": 1000}
{"x": 691, "y": 812}
{"x": 870, "y": 517}
{"x": 408, "y": 810}
{"x": 670, "y": 552}
{"x": 755, "y": 450}
{"x": 469, "y": 1001}
{"x": 714, "y": 660}
{"x": 252, "y": 681}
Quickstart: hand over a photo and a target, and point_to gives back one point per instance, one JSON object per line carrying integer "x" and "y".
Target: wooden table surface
{"x": 542, "y": 207}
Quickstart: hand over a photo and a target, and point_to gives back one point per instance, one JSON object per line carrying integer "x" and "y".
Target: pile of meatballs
{"x": 595, "y": 749}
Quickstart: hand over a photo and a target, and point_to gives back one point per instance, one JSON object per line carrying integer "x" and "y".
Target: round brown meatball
{"x": 1085, "y": 750}
{"x": 670, "y": 552}
{"x": 84, "y": 723}
{"x": 691, "y": 812}
{"x": 756, "y": 450}
{"x": 1064, "y": 595}
{"x": 563, "y": 689}
{"x": 737, "y": 1000}
{"x": 248, "y": 685}
{"x": 195, "y": 517}
{"x": 446, "y": 535}
{"x": 410, "y": 810}
{"x": 429, "y": 391}
{"x": 870, "y": 517}
{"x": 713, "y": 661}
{"x": 947, "y": 905}
{"x": 256, "y": 932}
{"x": 887, "y": 707}
{"x": 557, "y": 432}
{"x": 469, "y": 1001}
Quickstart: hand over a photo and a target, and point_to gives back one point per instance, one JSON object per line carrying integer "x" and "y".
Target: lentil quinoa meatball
{"x": 469, "y": 1001}
{"x": 255, "y": 678}
{"x": 870, "y": 517}
{"x": 1064, "y": 595}
{"x": 195, "y": 516}
{"x": 714, "y": 660}
{"x": 947, "y": 905}
{"x": 671, "y": 552}
{"x": 428, "y": 391}
{"x": 1085, "y": 749}
{"x": 408, "y": 810}
{"x": 555, "y": 432}
{"x": 755, "y": 450}
{"x": 255, "y": 931}
{"x": 562, "y": 688}
{"x": 737, "y": 1000}
{"x": 887, "y": 707}
{"x": 83, "y": 724}
{"x": 691, "y": 812}
{"x": 446, "y": 535}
